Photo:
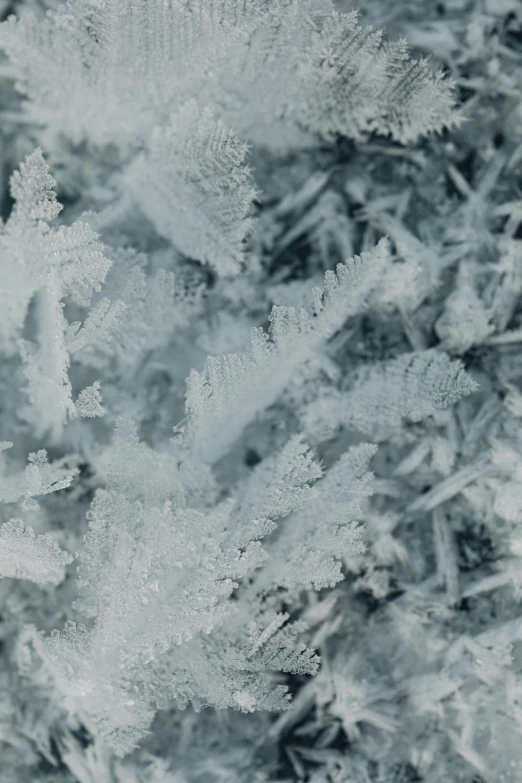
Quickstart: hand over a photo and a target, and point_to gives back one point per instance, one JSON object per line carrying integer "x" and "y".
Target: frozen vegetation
{"x": 260, "y": 391}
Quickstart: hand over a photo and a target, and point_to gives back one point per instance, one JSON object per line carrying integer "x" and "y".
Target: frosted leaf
{"x": 98, "y": 328}
{"x": 223, "y": 398}
{"x": 244, "y": 683}
{"x": 277, "y": 648}
{"x": 141, "y": 312}
{"x": 230, "y": 391}
{"x": 196, "y": 188}
{"x": 307, "y": 551}
{"x": 32, "y": 189}
{"x": 26, "y": 556}
{"x": 34, "y": 249}
{"x": 46, "y": 365}
{"x": 412, "y": 387}
{"x": 280, "y": 484}
{"x": 357, "y": 82}
{"x": 39, "y": 478}
{"x": 140, "y": 473}
{"x": 259, "y": 638}
{"x": 80, "y": 260}
{"x": 350, "y": 476}
{"x": 347, "y": 290}
{"x": 89, "y": 401}
{"x": 45, "y": 264}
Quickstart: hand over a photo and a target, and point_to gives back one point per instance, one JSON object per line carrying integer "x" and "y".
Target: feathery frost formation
{"x": 261, "y": 391}
{"x": 42, "y": 266}
{"x": 112, "y": 71}
{"x": 223, "y": 399}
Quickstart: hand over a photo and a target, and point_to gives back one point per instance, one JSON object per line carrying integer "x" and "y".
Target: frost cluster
{"x": 261, "y": 391}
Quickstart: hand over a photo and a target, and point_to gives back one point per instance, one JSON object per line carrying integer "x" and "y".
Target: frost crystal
{"x": 413, "y": 386}
{"x": 233, "y": 389}
{"x": 26, "y": 556}
{"x": 45, "y": 264}
{"x": 196, "y": 171}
